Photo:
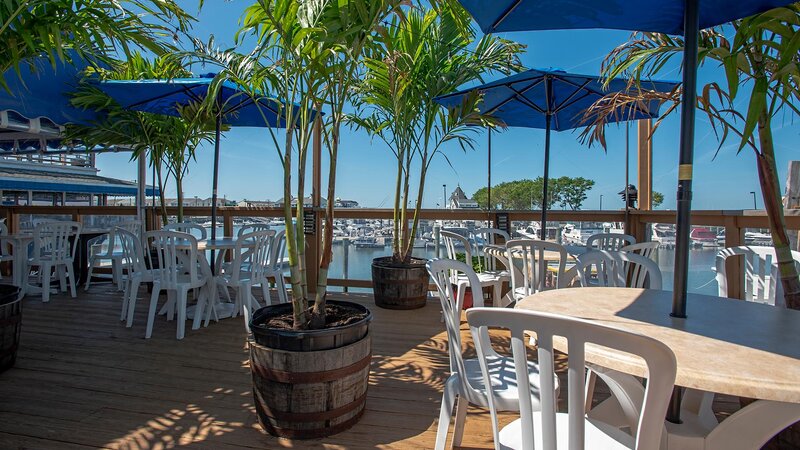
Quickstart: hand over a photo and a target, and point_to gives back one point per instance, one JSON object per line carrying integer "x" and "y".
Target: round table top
{"x": 549, "y": 255}
{"x": 224, "y": 243}
{"x": 725, "y": 345}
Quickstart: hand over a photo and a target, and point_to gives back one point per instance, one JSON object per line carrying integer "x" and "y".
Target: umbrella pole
{"x": 543, "y": 232}
{"x": 691, "y": 27}
{"x": 682, "y": 241}
{"x": 627, "y": 173}
{"x": 214, "y": 182}
{"x": 489, "y": 172}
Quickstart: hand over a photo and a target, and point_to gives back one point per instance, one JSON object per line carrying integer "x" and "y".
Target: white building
{"x": 459, "y": 200}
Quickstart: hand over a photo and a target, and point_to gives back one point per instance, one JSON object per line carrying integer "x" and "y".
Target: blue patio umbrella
{"x": 234, "y": 107}
{"x": 551, "y": 99}
{"x": 684, "y": 17}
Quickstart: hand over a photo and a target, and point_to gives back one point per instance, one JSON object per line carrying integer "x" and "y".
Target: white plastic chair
{"x": 178, "y": 279}
{"x": 618, "y": 269}
{"x": 277, "y": 265}
{"x": 256, "y": 247}
{"x": 131, "y": 246}
{"x": 762, "y": 282}
{"x": 544, "y": 428}
{"x": 452, "y": 242}
{"x": 187, "y": 227}
{"x": 54, "y": 246}
{"x": 647, "y": 249}
{"x": 465, "y": 385}
{"x": 104, "y": 249}
{"x": 531, "y": 268}
{"x": 251, "y": 227}
{"x": 490, "y": 236}
{"x": 609, "y": 241}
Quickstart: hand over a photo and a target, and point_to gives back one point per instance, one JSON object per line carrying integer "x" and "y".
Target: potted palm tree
{"x": 309, "y": 358}
{"x": 424, "y": 55}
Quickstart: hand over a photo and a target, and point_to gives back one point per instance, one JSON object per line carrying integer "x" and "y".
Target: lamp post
{"x": 601, "y": 202}
{"x": 754, "y": 199}
{"x": 444, "y": 196}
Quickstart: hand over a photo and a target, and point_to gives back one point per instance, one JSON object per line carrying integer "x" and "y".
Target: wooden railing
{"x": 735, "y": 222}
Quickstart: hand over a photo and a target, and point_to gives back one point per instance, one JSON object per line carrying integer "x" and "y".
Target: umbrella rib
{"x": 505, "y": 14}
{"x": 158, "y": 97}
{"x": 518, "y": 95}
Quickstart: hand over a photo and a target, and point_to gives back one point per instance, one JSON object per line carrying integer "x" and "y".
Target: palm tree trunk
{"x": 396, "y": 241}
{"x": 771, "y": 191}
{"x": 179, "y": 187}
{"x": 299, "y": 304}
{"x": 161, "y": 194}
{"x": 318, "y": 315}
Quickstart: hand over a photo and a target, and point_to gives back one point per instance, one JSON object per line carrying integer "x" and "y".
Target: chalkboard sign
{"x": 501, "y": 222}
{"x": 309, "y": 223}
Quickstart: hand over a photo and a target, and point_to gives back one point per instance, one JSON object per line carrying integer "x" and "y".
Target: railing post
{"x": 346, "y": 261}
{"x": 227, "y": 223}
{"x": 734, "y": 267}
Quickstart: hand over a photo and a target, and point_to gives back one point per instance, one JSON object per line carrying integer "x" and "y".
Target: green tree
{"x": 30, "y": 28}
{"x": 761, "y": 59}
{"x": 657, "y": 199}
{"x": 169, "y": 142}
{"x": 420, "y": 56}
{"x": 527, "y": 194}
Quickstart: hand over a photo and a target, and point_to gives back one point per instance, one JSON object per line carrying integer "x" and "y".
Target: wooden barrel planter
{"x": 313, "y": 383}
{"x": 399, "y": 286}
{"x": 10, "y": 325}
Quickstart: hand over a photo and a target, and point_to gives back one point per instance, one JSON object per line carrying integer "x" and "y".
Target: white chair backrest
{"x": 442, "y": 272}
{"x": 4, "y": 245}
{"x": 609, "y": 241}
{"x": 646, "y": 249}
{"x": 251, "y": 227}
{"x": 56, "y": 241}
{"x": 131, "y": 249}
{"x": 255, "y": 248}
{"x": 133, "y": 226}
{"x": 638, "y": 271}
{"x": 452, "y": 242}
{"x": 762, "y": 282}
{"x": 187, "y": 227}
{"x": 175, "y": 255}
{"x": 488, "y": 236}
{"x": 660, "y": 361}
{"x": 531, "y": 264}
{"x": 277, "y": 252}
{"x": 602, "y": 268}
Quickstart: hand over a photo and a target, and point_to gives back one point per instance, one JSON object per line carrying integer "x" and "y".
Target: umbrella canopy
{"x": 551, "y": 99}
{"x": 167, "y": 97}
{"x": 41, "y": 90}
{"x": 686, "y": 17}
{"x": 661, "y": 16}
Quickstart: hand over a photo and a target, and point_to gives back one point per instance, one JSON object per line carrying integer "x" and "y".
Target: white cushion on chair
{"x": 599, "y": 436}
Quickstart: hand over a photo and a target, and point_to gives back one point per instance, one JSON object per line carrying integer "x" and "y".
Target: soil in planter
{"x": 335, "y": 316}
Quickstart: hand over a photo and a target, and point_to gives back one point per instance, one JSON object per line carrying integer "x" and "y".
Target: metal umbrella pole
{"x": 627, "y": 173}
{"x": 543, "y": 233}
{"x": 214, "y": 183}
{"x": 489, "y": 171}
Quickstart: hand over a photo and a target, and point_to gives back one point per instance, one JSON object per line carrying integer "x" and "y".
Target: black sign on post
{"x": 501, "y": 222}
{"x": 309, "y": 222}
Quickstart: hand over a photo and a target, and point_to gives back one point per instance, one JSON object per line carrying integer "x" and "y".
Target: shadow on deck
{"x": 83, "y": 379}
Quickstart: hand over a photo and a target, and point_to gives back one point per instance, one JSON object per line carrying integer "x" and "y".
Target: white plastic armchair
{"x": 138, "y": 272}
{"x": 539, "y": 425}
{"x": 762, "y": 282}
{"x": 618, "y": 269}
{"x": 646, "y": 249}
{"x": 609, "y": 241}
{"x": 54, "y": 246}
{"x": 489, "y": 236}
{"x": 452, "y": 242}
{"x": 187, "y": 227}
{"x": 533, "y": 270}
{"x": 465, "y": 385}
{"x": 5, "y": 246}
{"x": 178, "y": 279}
{"x": 104, "y": 249}
{"x": 277, "y": 266}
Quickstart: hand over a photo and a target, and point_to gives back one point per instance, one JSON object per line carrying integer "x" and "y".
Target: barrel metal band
{"x": 315, "y": 433}
{"x": 282, "y": 376}
{"x": 316, "y": 416}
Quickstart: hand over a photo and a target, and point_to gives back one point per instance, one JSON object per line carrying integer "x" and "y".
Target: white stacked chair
{"x": 531, "y": 268}
{"x": 106, "y": 251}
{"x": 452, "y": 242}
{"x": 609, "y": 241}
{"x": 465, "y": 385}
{"x": 539, "y": 425}
{"x": 138, "y": 272}
{"x": 256, "y": 247}
{"x": 54, "y": 246}
{"x": 178, "y": 279}
{"x": 277, "y": 265}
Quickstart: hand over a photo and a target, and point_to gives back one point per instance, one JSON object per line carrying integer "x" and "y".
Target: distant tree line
{"x": 566, "y": 192}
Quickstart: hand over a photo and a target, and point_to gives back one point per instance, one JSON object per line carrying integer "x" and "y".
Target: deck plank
{"x": 84, "y": 380}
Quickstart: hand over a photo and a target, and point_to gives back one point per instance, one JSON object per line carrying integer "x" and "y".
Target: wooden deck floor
{"x": 84, "y": 380}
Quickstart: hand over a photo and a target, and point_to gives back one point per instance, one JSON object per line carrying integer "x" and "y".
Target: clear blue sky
{"x": 250, "y": 168}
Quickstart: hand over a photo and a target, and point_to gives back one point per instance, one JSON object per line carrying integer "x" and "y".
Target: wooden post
{"x": 315, "y": 241}
{"x": 645, "y": 164}
{"x": 734, "y": 267}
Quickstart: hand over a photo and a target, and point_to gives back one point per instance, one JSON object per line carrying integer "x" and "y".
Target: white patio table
{"x": 726, "y": 346}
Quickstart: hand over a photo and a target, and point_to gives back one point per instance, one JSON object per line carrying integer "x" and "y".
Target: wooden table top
{"x": 725, "y": 345}
{"x": 549, "y": 255}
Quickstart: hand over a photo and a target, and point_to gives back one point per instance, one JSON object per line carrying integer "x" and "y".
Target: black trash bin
{"x": 10, "y": 325}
